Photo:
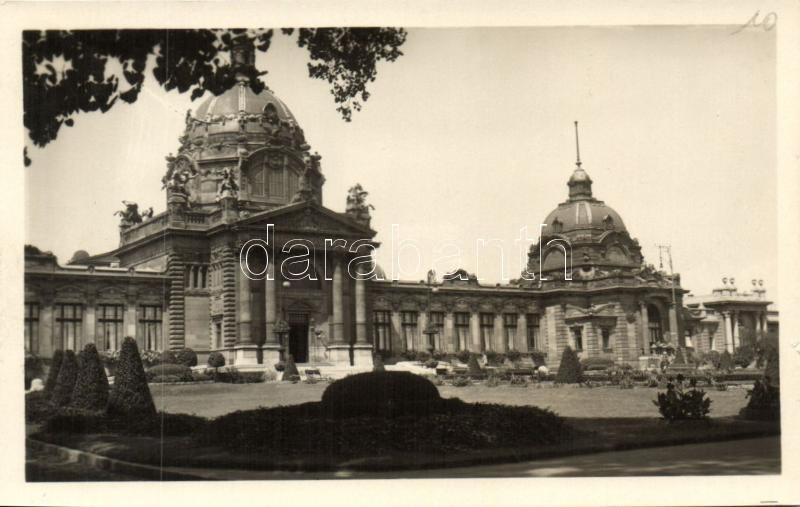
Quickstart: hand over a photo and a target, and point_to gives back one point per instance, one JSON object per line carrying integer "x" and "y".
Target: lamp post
{"x": 430, "y": 329}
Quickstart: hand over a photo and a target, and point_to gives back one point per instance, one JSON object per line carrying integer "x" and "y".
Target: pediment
{"x": 309, "y": 219}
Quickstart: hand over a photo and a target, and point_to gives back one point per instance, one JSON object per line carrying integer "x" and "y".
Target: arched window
{"x": 654, "y": 324}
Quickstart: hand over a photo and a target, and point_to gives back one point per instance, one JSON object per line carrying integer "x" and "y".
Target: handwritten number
{"x": 767, "y": 24}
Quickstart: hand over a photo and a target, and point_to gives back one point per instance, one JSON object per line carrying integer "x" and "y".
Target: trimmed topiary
{"x": 596, "y": 363}
{"x": 55, "y": 366}
{"x": 772, "y": 373}
{"x": 130, "y": 394}
{"x": 216, "y": 360}
{"x": 463, "y": 356}
{"x": 569, "y": 371}
{"x": 290, "y": 372}
{"x": 167, "y": 357}
{"x": 65, "y": 383}
{"x": 186, "y": 357}
{"x": 176, "y": 372}
{"x": 91, "y": 386}
{"x": 381, "y": 394}
{"x": 680, "y": 358}
{"x": 472, "y": 365}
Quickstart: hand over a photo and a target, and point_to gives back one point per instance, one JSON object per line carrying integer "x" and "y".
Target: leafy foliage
{"x": 678, "y": 403}
{"x": 380, "y": 394}
{"x": 764, "y": 402}
{"x": 52, "y": 375}
{"x": 169, "y": 373}
{"x": 596, "y": 363}
{"x": 538, "y": 357}
{"x": 65, "y": 383}
{"x": 216, "y": 360}
{"x": 186, "y": 357}
{"x": 726, "y": 362}
{"x": 569, "y": 371}
{"x": 91, "y": 386}
{"x": 463, "y": 356}
{"x": 744, "y": 355}
{"x": 130, "y": 395}
{"x": 66, "y": 72}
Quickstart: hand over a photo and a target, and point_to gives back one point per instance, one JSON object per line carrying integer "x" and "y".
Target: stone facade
{"x": 243, "y": 173}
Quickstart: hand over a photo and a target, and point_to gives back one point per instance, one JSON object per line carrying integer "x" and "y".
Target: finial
{"x": 577, "y": 146}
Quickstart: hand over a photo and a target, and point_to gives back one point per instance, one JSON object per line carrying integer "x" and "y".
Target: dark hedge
{"x": 380, "y": 394}
{"x": 91, "y": 386}
{"x": 55, "y": 366}
{"x": 65, "y": 383}
{"x": 569, "y": 371}
{"x": 130, "y": 394}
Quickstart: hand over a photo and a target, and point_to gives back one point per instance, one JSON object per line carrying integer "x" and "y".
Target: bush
{"x": 518, "y": 380}
{"x": 216, "y": 360}
{"x": 713, "y": 358}
{"x": 380, "y": 394}
{"x": 514, "y": 356}
{"x": 422, "y": 356}
{"x": 377, "y": 363}
{"x": 439, "y": 355}
{"x": 130, "y": 395}
{"x": 280, "y": 366}
{"x": 409, "y": 355}
{"x": 596, "y": 363}
{"x": 473, "y": 367}
{"x": 91, "y": 385}
{"x": 37, "y": 407}
{"x": 726, "y": 362}
{"x": 461, "y": 381}
{"x": 167, "y": 357}
{"x": 290, "y": 372}
{"x": 463, "y": 356}
{"x": 538, "y": 357}
{"x": 109, "y": 359}
{"x": 65, "y": 383}
{"x": 772, "y": 373}
{"x": 156, "y": 425}
{"x": 679, "y": 403}
{"x": 52, "y": 375}
{"x": 177, "y": 372}
{"x": 764, "y": 403}
{"x": 569, "y": 371}
{"x": 234, "y": 376}
{"x": 431, "y": 363}
{"x": 34, "y": 368}
{"x": 186, "y": 357}
{"x": 149, "y": 357}
{"x": 680, "y": 358}
{"x": 744, "y": 355}
{"x": 493, "y": 358}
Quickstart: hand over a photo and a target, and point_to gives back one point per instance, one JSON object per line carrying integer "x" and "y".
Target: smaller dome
{"x": 583, "y": 214}
{"x": 78, "y": 256}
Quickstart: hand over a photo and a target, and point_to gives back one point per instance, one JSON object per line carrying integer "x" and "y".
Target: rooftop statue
{"x": 357, "y": 206}
{"x": 228, "y": 186}
{"x": 179, "y": 172}
{"x": 130, "y": 215}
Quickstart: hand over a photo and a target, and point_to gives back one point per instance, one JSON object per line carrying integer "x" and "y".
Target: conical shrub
{"x": 680, "y": 358}
{"x": 65, "y": 383}
{"x": 726, "y": 361}
{"x": 772, "y": 372}
{"x": 130, "y": 394}
{"x": 290, "y": 370}
{"x": 52, "y": 375}
{"x": 569, "y": 371}
{"x": 91, "y": 386}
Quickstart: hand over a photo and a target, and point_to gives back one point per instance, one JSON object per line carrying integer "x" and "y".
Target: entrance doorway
{"x": 298, "y": 336}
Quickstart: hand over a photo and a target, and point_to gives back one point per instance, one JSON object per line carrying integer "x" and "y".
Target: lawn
{"x": 212, "y": 400}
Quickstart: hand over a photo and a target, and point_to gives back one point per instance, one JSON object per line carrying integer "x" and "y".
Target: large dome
{"x": 263, "y": 116}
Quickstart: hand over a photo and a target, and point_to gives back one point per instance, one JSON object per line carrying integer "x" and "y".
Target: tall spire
{"x": 577, "y": 145}
{"x": 580, "y": 184}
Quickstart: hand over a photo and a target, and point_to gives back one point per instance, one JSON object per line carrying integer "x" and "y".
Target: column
{"x": 500, "y": 343}
{"x": 130, "y": 321}
{"x": 271, "y": 351}
{"x": 244, "y": 317}
{"x": 475, "y": 330}
{"x": 645, "y": 328}
{"x": 90, "y": 323}
{"x": 727, "y": 328}
{"x": 398, "y": 342}
{"x": 422, "y": 338}
{"x": 46, "y": 335}
{"x": 177, "y": 303}
{"x": 449, "y": 338}
{"x": 735, "y": 323}
{"x": 362, "y": 350}
{"x": 673, "y": 326}
{"x": 521, "y": 342}
{"x": 339, "y": 350}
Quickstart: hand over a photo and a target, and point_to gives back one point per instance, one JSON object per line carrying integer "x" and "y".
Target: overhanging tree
{"x": 70, "y": 71}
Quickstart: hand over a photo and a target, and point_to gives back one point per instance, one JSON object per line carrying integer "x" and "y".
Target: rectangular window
{"x": 109, "y": 326}
{"x": 487, "y": 331}
{"x": 32, "y": 327}
{"x": 577, "y": 335}
{"x": 437, "y": 320}
{"x": 534, "y": 343}
{"x": 68, "y": 323}
{"x": 150, "y": 325}
{"x": 382, "y": 330}
{"x": 218, "y": 340}
{"x": 605, "y": 333}
{"x": 462, "y": 330}
{"x": 510, "y": 328}
{"x": 409, "y": 324}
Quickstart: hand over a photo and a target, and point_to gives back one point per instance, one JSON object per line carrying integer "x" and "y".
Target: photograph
{"x": 400, "y": 252}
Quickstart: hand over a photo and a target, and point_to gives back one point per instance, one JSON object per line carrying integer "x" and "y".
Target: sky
{"x": 469, "y": 136}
